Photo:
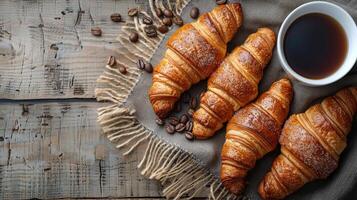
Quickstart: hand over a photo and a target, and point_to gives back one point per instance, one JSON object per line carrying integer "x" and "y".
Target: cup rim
{"x": 308, "y": 81}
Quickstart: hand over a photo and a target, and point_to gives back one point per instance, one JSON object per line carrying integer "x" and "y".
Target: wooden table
{"x": 50, "y": 143}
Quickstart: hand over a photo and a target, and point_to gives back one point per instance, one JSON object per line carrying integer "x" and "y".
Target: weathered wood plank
{"x": 47, "y": 50}
{"x": 56, "y": 150}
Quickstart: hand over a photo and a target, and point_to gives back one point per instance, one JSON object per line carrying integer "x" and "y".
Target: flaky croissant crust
{"x": 311, "y": 144}
{"x": 194, "y": 52}
{"x": 234, "y": 83}
{"x": 252, "y": 132}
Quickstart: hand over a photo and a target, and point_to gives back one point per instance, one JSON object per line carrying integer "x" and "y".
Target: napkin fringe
{"x": 180, "y": 173}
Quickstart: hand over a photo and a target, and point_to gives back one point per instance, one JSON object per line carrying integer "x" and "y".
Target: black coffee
{"x": 315, "y": 45}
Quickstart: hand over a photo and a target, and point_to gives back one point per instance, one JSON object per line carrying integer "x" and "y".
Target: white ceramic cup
{"x": 348, "y": 25}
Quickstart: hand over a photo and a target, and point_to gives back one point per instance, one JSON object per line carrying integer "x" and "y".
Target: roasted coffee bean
{"x": 148, "y": 67}
{"x": 111, "y": 61}
{"x": 195, "y": 13}
{"x": 186, "y": 97}
{"x": 163, "y": 29}
{"x": 180, "y": 127}
{"x": 221, "y": 2}
{"x": 189, "y": 135}
{"x": 170, "y": 128}
{"x": 115, "y": 17}
{"x": 193, "y": 102}
{"x": 168, "y": 13}
{"x": 190, "y": 112}
{"x": 159, "y": 121}
{"x": 159, "y": 12}
{"x": 189, "y": 126}
{"x": 150, "y": 31}
{"x": 167, "y": 21}
{"x": 122, "y": 69}
{"x": 177, "y": 20}
{"x": 174, "y": 121}
{"x": 184, "y": 118}
{"x": 147, "y": 20}
{"x": 140, "y": 64}
{"x": 134, "y": 37}
{"x": 133, "y": 12}
{"x": 96, "y": 31}
{"x": 201, "y": 95}
{"x": 178, "y": 107}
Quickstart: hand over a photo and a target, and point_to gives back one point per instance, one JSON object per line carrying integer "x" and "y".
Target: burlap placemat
{"x": 186, "y": 168}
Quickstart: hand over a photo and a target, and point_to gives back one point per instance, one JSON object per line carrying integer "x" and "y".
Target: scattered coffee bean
{"x": 1, "y": 138}
{"x": 167, "y": 21}
{"x": 148, "y": 67}
{"x": 186, "y": 97}
{"x": 54, "y": 47}
{"x": 189, "y": 135}
{"x": 133, "y": 12}
{"x": 163, "y": 29}
{"x": 63, "y": 13}
{"x": 96, "y": 31}
{"x": 189, "y": 126}
{"x": 122, "y": 69}
{"x": 159, "y": 12}
{"x": 150, "y": 31}
{"x": 195, "y": 13}
{"x": 184, "y": 118}
{"x": 180, "y": 127}
{"x": 221, "y": 2}
{"x": 140, "y": 64}
{"x": 111, "y": 61}
{"x": 147, "y": 20}
{"x": 177, "y": 20}
{"x": 174, "y": 121}
{"x": 115, "y": 17}
{"x": 168, "y": 13}
{"x": 170, "y": 128}
{"x": 190, "y": 112}
{"x": 134, "y": 37}
{"x": 178, "y": 107}
{"x": 159, "y": 121}
{"x": 193, "y": 102}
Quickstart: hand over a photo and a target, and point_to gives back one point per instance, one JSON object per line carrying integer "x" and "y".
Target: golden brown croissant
{"x": 311, "y": 144}
{"x": 194, "y": 52}
{"x": 234, "y": 83}
{"x": 253, "y": 132}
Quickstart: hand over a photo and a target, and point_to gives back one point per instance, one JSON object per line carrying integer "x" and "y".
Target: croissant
{"x": 311, "y": 144}
{"x": 194, "y": 52}
{"x": 234, "y": 83}
{"x": 253, "y": 132}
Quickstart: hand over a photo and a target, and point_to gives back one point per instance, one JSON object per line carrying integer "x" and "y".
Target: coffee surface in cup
{"x": 315, "y": 45}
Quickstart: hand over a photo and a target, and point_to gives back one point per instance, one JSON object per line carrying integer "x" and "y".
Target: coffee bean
{"x": 180, "y": 127}
{"x": 163, "y": 29}
{"x": 201, "y": 95}
{"x": 178, "y": 107}
{"x": 150, "y": 31}
{"x": 111, "y": 61}
{"x": 115, "y": 17}
{"x": 140, "y": 64}
{"x": 193, "y": 102}
{"x": 195, "y": 13}
{"x": 148, "y": 67}
{"x": 134, "y": 37}
{"x": 133, "y": 12}
{"x": 170, "y": 128}
{"x": 189, "y": 126}
{"x": 190, "y": 112}
{"x": 174, "y": 121}
{"x": 167, "y": 21}
{"x": 186, "y": 97}
{"x": 177, "y": 20}
{"x": 96, "y": 31}
{"x": 122, "y": 69}
{"x": 221, "y": 2}
{"x": 168, "y": 13}
{"x": 184, "y": 118}
{"x": 159, "y": 121}
{"x": 189, "y": 135}
{"x": 147, "y": 20}
{"x": 159, "y": 12}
